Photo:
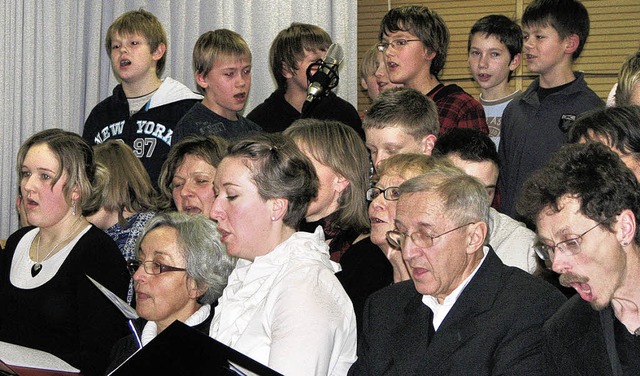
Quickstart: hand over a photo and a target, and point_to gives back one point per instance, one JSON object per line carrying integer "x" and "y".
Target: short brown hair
{"x": 425, "y": 24}
{"x": 210, "y": 149}
{"x": 279, "y": 170}
{"x": 122, "y": 181}
{"x": 143, "y": 23}
{"x": 290, "y": 45}
{"x": 404, "y": 107}
{"x": 340, "y": 148}
{"x": 212, "y": 45}
{"x": 74, "y": 156}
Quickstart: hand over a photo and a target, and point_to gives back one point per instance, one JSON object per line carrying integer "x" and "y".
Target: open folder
{"x": 24, "y": 361}
{"x": 182, "y": 350}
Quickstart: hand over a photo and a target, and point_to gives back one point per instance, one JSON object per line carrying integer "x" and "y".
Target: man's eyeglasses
{"x": 151, "y": 267}
{"x": 396, "y": 44}
{"x": 568, "y": 247}
{"x": 390, "y": 193}
{"x": 398, "y": 239}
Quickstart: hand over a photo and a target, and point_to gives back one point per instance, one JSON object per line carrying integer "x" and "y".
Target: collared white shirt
{"x": 440, "y": 311}
{"x": 150, "y": 330}
{"x": 287, "y": 310}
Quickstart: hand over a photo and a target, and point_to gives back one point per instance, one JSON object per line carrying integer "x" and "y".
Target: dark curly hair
{"x": 590, "y": 172}
{"x": 616, "y": 127}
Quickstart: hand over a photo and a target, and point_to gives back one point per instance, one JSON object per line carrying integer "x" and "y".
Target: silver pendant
{"x": 35, "y": 269}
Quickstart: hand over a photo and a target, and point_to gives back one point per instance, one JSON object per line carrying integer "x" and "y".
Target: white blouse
{"x": 287, "y": 310}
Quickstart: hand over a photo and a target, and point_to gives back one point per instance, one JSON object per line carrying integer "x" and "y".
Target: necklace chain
{"x": 144, "y": 95}
{"x": 73, "y": 230}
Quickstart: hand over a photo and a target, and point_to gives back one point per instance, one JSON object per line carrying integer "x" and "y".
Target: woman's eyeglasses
{"x": 151, "y": 267}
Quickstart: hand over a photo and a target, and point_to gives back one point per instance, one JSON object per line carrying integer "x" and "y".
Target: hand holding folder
{"x": 182, "y": 350}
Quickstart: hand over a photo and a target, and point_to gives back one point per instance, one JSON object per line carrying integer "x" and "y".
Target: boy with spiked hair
{"x": 535, "y": 124}
{"x": 144, "y": 109}
{"x": 400, "y": 121}
{"x": 222, "y": 68}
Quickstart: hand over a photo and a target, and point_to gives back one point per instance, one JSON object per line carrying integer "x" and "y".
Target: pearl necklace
{"x": 37, "y": 267}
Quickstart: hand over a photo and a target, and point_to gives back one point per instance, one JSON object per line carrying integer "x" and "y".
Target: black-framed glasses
{"x": 390, "y": 193}
{"x": 151, "y": 267}
{"x": 398, "y": 239}
{"x": 568, "y": 247}
{"x": 396, "y": 44}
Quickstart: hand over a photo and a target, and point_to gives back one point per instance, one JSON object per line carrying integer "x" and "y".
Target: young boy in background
{"x": 400, "y": 121}
{"x": 291, "y": 53}
{"x": 414, "y": 42}
{"x": 222, "y": 68}
{"x": 144, "y": 109}
{"x": 494, "y": 47}
{"x": 628, "y": 87}
{"x": 374, "y": 77}
{"x": 474, "y": 153}
{"x": 535, "y": 124}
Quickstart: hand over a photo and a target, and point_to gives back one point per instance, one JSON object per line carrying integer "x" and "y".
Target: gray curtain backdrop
{"x": 55, "y": 68}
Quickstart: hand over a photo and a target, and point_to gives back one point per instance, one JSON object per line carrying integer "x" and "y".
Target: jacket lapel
{"x": 462, "y": 321}
{"x": 593, "y": 343}
{"x": 412, "y": 340}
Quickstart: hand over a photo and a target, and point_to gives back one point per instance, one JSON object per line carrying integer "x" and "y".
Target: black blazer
{"x": 495, "y": 327}
{"x": 580, "y": 341}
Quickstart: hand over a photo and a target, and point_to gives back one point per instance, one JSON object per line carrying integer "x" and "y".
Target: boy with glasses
{"x": 414, "y": 41}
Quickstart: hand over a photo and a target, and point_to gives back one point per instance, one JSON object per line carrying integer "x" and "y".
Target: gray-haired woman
{"x": 180, "y": 271}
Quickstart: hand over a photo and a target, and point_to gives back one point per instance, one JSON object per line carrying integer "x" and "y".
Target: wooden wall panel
{"x": 615, "y": 34}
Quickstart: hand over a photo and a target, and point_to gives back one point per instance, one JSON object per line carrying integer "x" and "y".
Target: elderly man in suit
{"x": 463, "y": 312}
{"x": 586, "y": 204}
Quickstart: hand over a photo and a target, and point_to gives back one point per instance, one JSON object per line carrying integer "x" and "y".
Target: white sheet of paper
{"x": 15, "y": 355}
{"x": 126, "y": 309}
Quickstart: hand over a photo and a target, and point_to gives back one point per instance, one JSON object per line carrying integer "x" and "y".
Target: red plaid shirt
{"x": 457, "y": 109}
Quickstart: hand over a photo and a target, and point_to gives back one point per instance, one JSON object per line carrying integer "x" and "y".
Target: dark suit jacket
{"x": 494, "y": 328}
{"x": 576, "y": 343}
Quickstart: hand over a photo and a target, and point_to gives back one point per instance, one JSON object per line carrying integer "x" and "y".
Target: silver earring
{"x": 273, "y": 218}
{"x": 73, "y": 207}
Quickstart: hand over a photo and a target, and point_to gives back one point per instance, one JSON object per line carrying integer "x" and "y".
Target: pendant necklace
{"x": 37, "y": 267}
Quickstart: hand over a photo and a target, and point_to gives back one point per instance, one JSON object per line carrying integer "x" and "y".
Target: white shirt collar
{"x": 440, "y": 311}
{"x": 150, "y": 330}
